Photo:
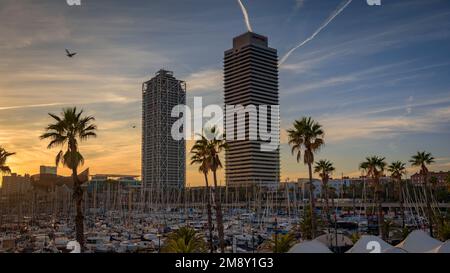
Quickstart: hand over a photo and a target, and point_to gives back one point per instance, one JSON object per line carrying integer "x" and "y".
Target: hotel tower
{"x": 163, "y": 158}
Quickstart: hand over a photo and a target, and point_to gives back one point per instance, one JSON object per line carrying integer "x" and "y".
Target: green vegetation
{"x": 184, "y": 240}
{"x": 4, "y": 155}
{"x": 307, "y": 136}
{"x": 325, "y": 168}
{"x": 282, "y": 243}
{"x": 67, "y": 132}
{"x": 374, "y": 167}
{"x": 422, "y": 160}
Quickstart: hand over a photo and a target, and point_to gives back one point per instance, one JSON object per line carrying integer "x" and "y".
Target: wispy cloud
{"x": 25, "y": 23}
{"x": 369, "y": 42}
{"x": 323, "y": 26}
{"x": 205, "y": 81}
{"x": 371, "y": 127}
{"x": 356, "y": 80}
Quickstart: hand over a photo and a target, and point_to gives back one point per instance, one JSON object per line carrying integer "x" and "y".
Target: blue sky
{"x": 376, "y": 78}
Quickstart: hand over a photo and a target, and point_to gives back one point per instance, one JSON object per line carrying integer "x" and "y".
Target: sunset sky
{"x": 377, "y": 78}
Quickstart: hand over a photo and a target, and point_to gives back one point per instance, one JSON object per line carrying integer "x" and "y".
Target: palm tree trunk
{"x": 333, "y": 207}
{"x": 219, "y": 215}
{"x": 208, "y": 206}
{"x": 79, "y": 218}
{"x": 402, "y": 209}
{"x": 312, "y": 204}
{"x": 327, "y": 208}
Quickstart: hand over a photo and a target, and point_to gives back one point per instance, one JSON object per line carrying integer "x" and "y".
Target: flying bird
{"x": 69, "y": 54}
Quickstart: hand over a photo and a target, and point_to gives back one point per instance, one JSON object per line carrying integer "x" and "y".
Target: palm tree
{"x": 307, "y": 135}
{"x": 398, "y": 170}
{"x": 184, "y": 240}
{"x": 215, "y": 146}
{"x": 305, "y": 227}
{"x": 68, "y": 131}
{"x": 3, "y": 158}
{"x": 200, "y": 156}
{"x": 374, "y": 167}
{"x": 281, "y": 243}
{"x": 421, "y": 160}
{"x": 325, "y": 168}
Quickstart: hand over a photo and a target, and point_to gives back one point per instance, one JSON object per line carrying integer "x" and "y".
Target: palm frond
{"x": 69, "y": 129}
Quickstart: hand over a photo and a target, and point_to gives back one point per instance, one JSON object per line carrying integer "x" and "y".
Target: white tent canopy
{"x": 310, "y": 247}
{"x": 363, "y": 245}
{"x": 444, "y": 248}
{"x": 419, "y": 241}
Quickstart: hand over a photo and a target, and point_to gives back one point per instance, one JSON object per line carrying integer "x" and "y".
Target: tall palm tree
{"x": 67, "y": 132}
{"x": 200, "y": 156}
{"x": 374, "y": 167}
{"x": 421, "y": 160}
{"x": 325, "y": 168}
{"x": 216, "y": 145}
{"x": 3, "y": 158}
{"x": 184, "y": 240}
{"x": 398, "y": 170}
{"x": 307, "y": 135}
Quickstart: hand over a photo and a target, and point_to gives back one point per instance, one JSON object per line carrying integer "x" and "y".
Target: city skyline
{"x": 376, "y": 78}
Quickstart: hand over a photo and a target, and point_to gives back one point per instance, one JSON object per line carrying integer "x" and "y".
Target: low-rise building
{"x": 48, "y": 170}
{"x": 16, "y": 184}
{"x": 441, "y": 178}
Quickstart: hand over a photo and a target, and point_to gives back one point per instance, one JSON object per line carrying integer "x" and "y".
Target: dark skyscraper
{"x": 163, "y": 158}
{"x": 251, "y": 78}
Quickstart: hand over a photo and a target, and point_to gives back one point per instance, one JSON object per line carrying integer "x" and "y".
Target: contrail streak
{"x": 247, "y": 20}
{"x": 324, "y": 25}
{"x": 30, "y": 106}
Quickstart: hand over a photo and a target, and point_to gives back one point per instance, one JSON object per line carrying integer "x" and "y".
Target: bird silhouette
{"x": 69, "y": 54}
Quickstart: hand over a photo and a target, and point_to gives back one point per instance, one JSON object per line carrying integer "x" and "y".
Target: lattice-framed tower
{"x": 163, "y": 158}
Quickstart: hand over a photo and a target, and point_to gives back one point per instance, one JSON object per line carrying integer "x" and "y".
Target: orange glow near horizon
{"x": 98, "y": 156}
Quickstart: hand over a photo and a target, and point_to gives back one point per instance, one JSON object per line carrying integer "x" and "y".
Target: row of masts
{"x": 129, "y": 200}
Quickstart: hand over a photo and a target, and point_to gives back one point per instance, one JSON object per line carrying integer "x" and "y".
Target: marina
{"x": 117, "y": 221}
